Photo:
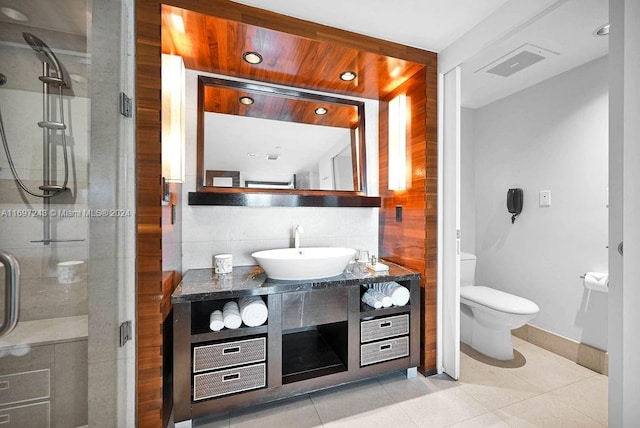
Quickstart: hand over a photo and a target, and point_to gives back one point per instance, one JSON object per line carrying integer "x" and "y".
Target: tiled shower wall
{"x": 21, "y": 217}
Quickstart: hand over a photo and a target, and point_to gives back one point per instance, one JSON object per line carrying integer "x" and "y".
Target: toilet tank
{"x": 467, "y": 268}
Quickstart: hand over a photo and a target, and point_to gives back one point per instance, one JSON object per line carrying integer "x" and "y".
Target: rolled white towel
{"x": 231, "y": 305}
{"x": 385, "y": 300}
{"x": 231, "y": 315}
{"x": 216, "y": 322}
{"x": 370, "y": 299}
{"x": 253, "y": 311}
{"x": 398, "y": 293}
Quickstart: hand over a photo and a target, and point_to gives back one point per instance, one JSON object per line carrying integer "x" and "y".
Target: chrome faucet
{"x": 296, "y": 236}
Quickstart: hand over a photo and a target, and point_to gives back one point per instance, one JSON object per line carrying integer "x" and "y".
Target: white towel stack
{"x": 398, "y": 294}
{"x": 376, "y": 299}
{"x": 253, "y": 311}
{"x": 231, "y": 315}
{"x": 216, "y": 321}
{"x": 370, "y": 299}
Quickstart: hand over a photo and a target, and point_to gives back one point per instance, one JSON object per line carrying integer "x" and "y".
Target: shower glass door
{"x": 66, "y": 212}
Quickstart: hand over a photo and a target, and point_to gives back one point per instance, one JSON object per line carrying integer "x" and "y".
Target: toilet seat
{"x": 497, "y": 300}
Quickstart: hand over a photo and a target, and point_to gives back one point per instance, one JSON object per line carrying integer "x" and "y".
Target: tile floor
{"x": 536, "y": 389}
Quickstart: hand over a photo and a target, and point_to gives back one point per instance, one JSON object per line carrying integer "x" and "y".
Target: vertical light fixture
{"x": 173, "y": 118}
{"x": 398, "y": 143}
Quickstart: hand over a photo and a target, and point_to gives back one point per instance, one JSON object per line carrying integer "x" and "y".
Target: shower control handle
{"x": 11, "y": 294}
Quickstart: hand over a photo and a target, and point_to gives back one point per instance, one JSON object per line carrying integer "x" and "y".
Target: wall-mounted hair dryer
{"x": 514, "y": 203}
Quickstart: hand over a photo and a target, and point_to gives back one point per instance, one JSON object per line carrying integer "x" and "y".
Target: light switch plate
{"x": 545, "y": 198}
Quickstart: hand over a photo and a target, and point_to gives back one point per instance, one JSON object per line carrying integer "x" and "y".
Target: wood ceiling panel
{"x": 215, "y": 45}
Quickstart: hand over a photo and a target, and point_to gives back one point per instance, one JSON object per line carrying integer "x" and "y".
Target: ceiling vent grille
{"x": 517, "y": 60}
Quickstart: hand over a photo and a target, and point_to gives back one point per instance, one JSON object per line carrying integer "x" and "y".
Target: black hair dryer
{"x": 514, "y": 203}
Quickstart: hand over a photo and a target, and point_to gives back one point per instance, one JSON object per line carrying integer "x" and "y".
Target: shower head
{"x": 45, "y": 54}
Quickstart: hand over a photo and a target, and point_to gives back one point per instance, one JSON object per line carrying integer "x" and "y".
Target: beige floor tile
{"x": 364, "y": 404}
{"x": 443, "y": 408}
{"x": 488, "y": 420}
{"x": 547, "y": 370}
{"x": 518, "y": 359}
{"x": 400, "y": 388}
{"x": 494, "y": 387}
{"x": 297, "y": 412}
{"x": 545, "y": 411}
{"x": 439, "y": 382}
{"x": 588, "y": 396}
{"x": 536, "y": 389}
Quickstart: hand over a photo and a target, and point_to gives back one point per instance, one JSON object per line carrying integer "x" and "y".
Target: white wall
{"x": 552, "y": 136}
{"x": 210, "y": 230}
{"x": 467, "y": 181}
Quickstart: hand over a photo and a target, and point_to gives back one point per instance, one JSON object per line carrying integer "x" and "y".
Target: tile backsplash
{"x": 211, "y": 230}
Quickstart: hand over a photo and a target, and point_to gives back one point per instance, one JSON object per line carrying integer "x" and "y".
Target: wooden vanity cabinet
{"x": 317, "y": 335}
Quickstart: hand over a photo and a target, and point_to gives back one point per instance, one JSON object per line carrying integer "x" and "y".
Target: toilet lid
{"x": 498, "y": 300}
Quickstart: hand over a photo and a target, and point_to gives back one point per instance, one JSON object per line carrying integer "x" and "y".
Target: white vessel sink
{"x": 304, "y": 263}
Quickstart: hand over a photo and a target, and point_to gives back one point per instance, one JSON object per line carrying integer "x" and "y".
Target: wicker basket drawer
{"x": 391, "y": 349}
{"x": 228, "y": 354}
{"x": 19, "y": 387}
{"x": 381, "y": 328}
{"x": 228, "y": 381}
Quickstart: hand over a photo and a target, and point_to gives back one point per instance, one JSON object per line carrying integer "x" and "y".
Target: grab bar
{"x": 11, "y": 292}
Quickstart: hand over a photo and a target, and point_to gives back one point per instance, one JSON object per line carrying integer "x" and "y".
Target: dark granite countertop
{"x": 205, "y": 284}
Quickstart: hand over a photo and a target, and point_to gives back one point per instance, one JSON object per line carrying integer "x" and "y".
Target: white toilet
{"x": 487, "y": 316}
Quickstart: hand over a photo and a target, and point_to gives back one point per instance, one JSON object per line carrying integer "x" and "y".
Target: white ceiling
{"x": 67, "y": 16}
{"x": 427, "y": 24}
{"x": 567, "y": 32}
{"x": 435, "y": 24}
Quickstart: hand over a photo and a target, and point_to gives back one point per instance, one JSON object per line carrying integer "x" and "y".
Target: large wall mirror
{"x": 263, "y": 138}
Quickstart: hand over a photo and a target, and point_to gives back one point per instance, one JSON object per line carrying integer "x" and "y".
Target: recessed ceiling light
{"x": 602, "y": 31}
{"x": 16, "y": 15}
{"x": 321, "y": 110}
{"x": 246, "y": 100}
{"x": 252, "y": 57}
{"x": 252, "y": 155}
{"x": 348, "y": 76}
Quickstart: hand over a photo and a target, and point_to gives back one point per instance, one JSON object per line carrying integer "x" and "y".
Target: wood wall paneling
{"x": 149, "y": 315}
{"x": 412, "y": 242}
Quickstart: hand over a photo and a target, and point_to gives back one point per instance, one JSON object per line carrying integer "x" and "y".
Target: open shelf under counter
{"x": 306, "y": 355}
{"x": 228, "y": 334}
{"x": 367, "y": 311}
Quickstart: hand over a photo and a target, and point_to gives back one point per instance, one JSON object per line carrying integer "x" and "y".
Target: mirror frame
{"x": 210, "y": 195}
